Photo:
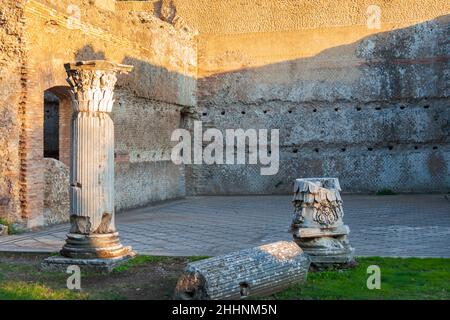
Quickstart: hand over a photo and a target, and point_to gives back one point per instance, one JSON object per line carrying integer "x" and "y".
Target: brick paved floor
{"x": 400, "y": 225}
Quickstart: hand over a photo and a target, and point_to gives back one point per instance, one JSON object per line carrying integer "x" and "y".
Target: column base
{"x": 328, "y": 252}
{"x": 94, "y": 246}
{"x": 95, "y": 252}
{"x": 327, "y": 259}
{"x": 60, "y": 263}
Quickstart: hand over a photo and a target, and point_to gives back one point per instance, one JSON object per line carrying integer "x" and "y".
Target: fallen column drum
{"x": 251, "y": 272}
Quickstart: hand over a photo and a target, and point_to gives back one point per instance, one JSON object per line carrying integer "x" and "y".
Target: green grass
{"x": 410, "y": 278}
{"x": 20, "y": 290}
{"x": 139, "y": 261}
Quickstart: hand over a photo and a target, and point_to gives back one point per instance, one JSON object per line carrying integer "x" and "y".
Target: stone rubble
{"x": 56, "y": 198}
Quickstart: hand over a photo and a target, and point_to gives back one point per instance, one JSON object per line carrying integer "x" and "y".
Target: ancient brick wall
{"x": 56, "y": 32}
{"x": 356, "y": 96}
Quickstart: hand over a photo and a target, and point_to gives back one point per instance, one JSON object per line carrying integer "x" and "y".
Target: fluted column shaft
{"x": 92, "y": 174}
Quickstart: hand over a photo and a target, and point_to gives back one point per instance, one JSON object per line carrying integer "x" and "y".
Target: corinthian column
{"x": 93, "y": 237}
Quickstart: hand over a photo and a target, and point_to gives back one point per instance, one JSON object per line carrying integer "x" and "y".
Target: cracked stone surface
{"x": 399, "y": 225}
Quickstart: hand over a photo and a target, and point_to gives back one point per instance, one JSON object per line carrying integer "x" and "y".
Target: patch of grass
{"x": 408, "y": 279}
{"x": 12, "y": 268}
{"x": 20, "y": 290}
{"x": 22, "y": 279}
{"x": 139, "y": 261}
{"x": 385, "y": 192}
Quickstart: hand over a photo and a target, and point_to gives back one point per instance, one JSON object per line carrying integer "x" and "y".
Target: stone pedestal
{"x": 317, "y": 225}
{"x": 93, "y": 233}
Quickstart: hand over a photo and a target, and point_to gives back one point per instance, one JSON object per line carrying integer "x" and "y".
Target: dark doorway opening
{"x": 51, "y": 125}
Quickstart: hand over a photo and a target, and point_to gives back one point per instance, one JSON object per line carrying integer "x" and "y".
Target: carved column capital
{"x": 318, "y": 226}
{"x": 92, "y": 84}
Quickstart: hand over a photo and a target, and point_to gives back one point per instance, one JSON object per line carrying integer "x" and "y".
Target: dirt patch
{"x": 153, "y": 278}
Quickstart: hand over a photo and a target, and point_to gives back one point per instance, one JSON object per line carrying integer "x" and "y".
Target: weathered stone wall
{"x": 144, "y": 170}
{"x": 367, "y": 105}
{"x": 218, "y": 17}
{"x": 35, "y": 47}
{"x": 11, "y": 99}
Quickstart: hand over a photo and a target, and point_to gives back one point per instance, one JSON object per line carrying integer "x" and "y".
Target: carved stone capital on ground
{"x": 317, "y": 224}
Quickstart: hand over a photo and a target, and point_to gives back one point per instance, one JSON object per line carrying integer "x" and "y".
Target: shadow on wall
{"x": 373, "y": 113}
{"x": 150, "y": 81}
{"x": 88, "y": 53}
{"x": 375, "y": 64}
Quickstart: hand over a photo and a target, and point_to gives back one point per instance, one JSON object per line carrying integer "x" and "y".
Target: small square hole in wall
{"x": 244, "y": 289}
